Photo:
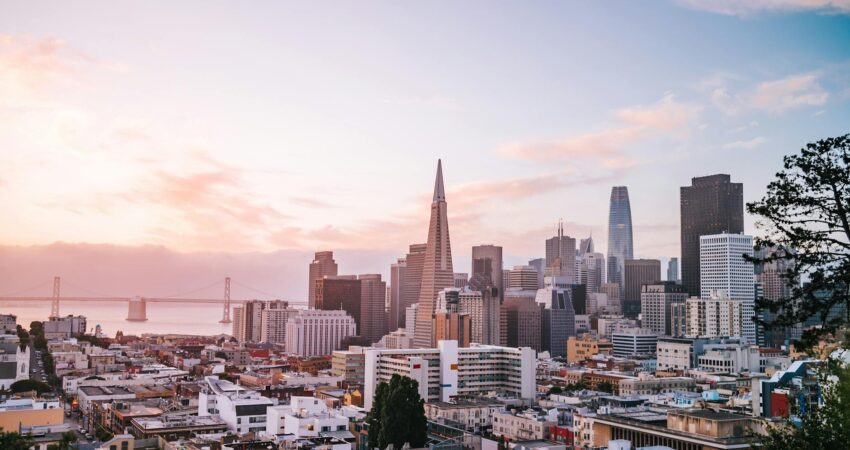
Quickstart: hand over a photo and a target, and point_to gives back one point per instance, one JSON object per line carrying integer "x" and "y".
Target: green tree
{"x": 398, "y": 415}
{"x": 605, "y": 386}
{"x": 15, "y": 441}
{"x": 23, "y": 336}
{"x": 806, "y": 210}
{"x": 29, "y": 385}
{"x": 555, "y": 390}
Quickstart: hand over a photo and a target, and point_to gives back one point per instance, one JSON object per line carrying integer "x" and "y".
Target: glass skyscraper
{"x": 619, "y": 235}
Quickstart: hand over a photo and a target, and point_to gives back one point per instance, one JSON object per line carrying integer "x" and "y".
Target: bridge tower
{"x": 225, "y": 318}
{"x": 54, "y": 304}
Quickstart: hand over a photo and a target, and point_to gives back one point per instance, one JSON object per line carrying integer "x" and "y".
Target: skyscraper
{"x": 539, "y": 265}
{"x": 724, "y": 269}
{"x": 521, "y": 320}
{"x": 487, "y": 262}
{"x": 656, "y": 301}
{"x": 710, "y": 205}
{"x": 412, "y": 284}
{"x": 398, "y": 275}
{"x": 620, "y": 247}
{"x": 342, "y": 292}
{"x": 323, "y": 265}
{"x": 373, "y": 316}
{"x": 561, "y": 256}
{"x": 673, "y": 270}
{"x": 557, "y": 319}
{"x": 638, "y": 272}
{"x": 437, "y": 273}
{"x": 774, "y": 282}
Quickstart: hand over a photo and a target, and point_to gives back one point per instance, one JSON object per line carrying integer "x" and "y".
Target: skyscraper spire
{"x": 437, "y": 272}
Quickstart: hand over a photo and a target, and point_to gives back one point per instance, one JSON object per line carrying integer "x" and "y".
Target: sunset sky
{"x": 255, "y": 127}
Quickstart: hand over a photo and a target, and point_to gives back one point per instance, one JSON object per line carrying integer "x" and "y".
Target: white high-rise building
{"x": 450, "y": 372}
{"x": 273, "y": 324}
{"x": 318, "y": 332}
{"x": 723, "y": 268}
{"x": 716, "y": 316}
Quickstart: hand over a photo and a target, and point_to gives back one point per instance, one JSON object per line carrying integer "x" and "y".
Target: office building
{"x": 539, "y": 264}
{"x": 673, "y": 270}
{"x": 398, "y": 271}
{"x": 461, "y": 280}
{"x": 723, "y": 268}
{"x": 316, "y": 332}
{"x": 521, "y": 322}
{"x": 482, "y": 307}
{"x": 638, "y": 272}
{"x": 248, "y": 319}
{"x": 341, "y": 292}
{"x": 373, "y": 314}
{"x": 323, "y": 265}
{"x": 452, "y": 326}
{"x": 273, "y": 324}
{"x": 406, "y": 284}
{"x": 558, "y": 319}
{"x": 437, "y": 273}
{"x": 449, "y": 372}
{"x": 350, "y": 365}
{"x": 771, "y": 278}
{"x": 586, "y": 345}
{"x": 561, "y": 255}
{"x": 710, "y": 205}
{"x": 634, "y": 342}
{"x": 612, "y": 291}
{"x": 620, "y": 246}
{"x": 716, "y": 316}
{"x": 592, "y": 271}
{"x": 678, "y": 314}
{"x": 487, "y": 266}
{"x": 523, "y": 277}
{"x": 655, "y": 303}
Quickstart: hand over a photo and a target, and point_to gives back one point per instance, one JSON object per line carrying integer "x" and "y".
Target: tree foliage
{"x": 15, "y": 441}
{"x": 29, "y": 385}
{"x": 605, "y": 386}
{"x": 398, "y": 415}
{"x": 806, "y": 210}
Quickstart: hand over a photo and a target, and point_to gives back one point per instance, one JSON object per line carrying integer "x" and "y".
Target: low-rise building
{"x": 174, "y": 427}
{"x": 306, "y": 418}
{"x": 585, "y": 345}
{"x": 14, "y": 361}
{"x": 350, "y": 365}
{"x": 472, "y": 416}
{"x": 243, "y": 410}
{"x": 523, "y": 426}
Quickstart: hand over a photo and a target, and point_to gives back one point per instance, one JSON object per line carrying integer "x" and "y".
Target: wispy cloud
{"x": 774, "y": 96}
{"x": 747, "y": 144}
{"x": 750, "y": 7}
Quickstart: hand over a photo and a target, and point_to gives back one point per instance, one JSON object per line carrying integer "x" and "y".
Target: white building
{"x": 305, "y": 417}
{"x": 14, "y": 362}
{"x": 243, "y": 410}
{"x": 273, "y": 324}
{"x": 64, "y": 327}
{"x": 608, "y": 325}
{"x": 483, "y": 311}
{"x": 634, "y": 342}
{"x": 715, "y": 316}
{"x": 722, "y": 267}
{"x": 655, "y": 301}
{"x": 8, "y": 324}
{"x": 447, "y": 372}
{"x": 315, "y": 332}
{"x": 732, "y": 357}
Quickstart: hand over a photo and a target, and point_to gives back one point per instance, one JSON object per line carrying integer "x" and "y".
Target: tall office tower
{"x": 482, "y": 307}
{"x": 558, "y": 319}
{"x": 487, "y": 262}
{"x": 578, "y": 297}
{"x": 638, "y": 272}
{"x": 410, "y": 319}
{"x": 412, "y": 283}
{"x": 247, "y": 326}
{"x": 539, "y": 265}
{"x": 586, "y": 246}
{"x": 373, "y": 315}
{"x": 395, "y": 315}
{"x": 774, "y": 284}
{"x": 437, "y": 273}
{"x": 673, "y": 270}
{"x": 523, "y": 277}
{"x": 461, "y": 279}
{"x": 710, "y": 205}
{"x": 451, "y": 326}
{"x": 521, "y": 322}
{"x": 318, "y": 333}
{"x": 323, "y": 265}
{"x": 592, "y": 271}
{"x": 615, "y": 303}
{"x": 723, "y": 268}
{"x": 342, "y": 292}
{"x": 715, "y": 316}
{"x": 561, "y": 255}
{"x": 620, "y": 246}
{"x": 273, "y": 324}
{"x": 655, "y": 303}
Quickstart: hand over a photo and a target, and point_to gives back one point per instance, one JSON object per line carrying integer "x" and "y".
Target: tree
{"x": 398, "y": 415}
{"x": 23, "y": 337}
{"x": 555, "y": 390}
{"x": 29, "y": 385}
{"x": 15, "y": 441}
{"x": 806, "y": 210}
{"x": 605, "y": 386}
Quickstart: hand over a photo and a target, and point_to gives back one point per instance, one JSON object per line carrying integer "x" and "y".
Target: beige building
{"x": 350, "y": 365}
{"x": 473, "y": 416}
{"x": 585, "y": 345}
{"x": 524, "y": 426}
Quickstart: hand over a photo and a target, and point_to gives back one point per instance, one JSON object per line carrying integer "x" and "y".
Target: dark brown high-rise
{"x": 340, "y": 292}
{"x": 710, "y": 205}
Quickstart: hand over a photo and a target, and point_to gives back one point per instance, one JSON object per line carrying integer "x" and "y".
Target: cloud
{"x": 751, "y": 7}
{"x": 748, "y": 144}
{"x": 774, "y": 96}
{"x": 666, "y": 117}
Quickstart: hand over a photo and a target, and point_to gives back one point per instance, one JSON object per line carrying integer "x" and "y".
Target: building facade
{"x": 317, "y": 332}
{"x": 655, "y": 305}
{"x": 620, "y": 246}
{"x": 323, "y": 265}
{"x": 723, "y": 268}
{"x": 636, "y": 273}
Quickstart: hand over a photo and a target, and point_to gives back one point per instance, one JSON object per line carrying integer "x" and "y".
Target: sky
{"x": 253, "y": 128}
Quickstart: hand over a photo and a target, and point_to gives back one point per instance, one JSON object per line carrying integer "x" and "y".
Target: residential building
{"x": 350, "y": 365}
{"x": 248, "y": 319}
{"x": 243, "y": 410}
{"x": 323, "y": 265}
{"x": 473, "y": 416}
{"x": 716, "y": 316}
{"x": 724, "y": 268}
{"x": 586, "y": 345}
{"x": 731, "y": 357}
{"x": 528, "y": 425}
{"x": 273, "y": 324}
{"x": 620, "y": 246}
{"x": 634, "y": 342}
{"x": 636, "y": 273}
{"x": 655, "y": 303}
{"x": 8, "y": 324}
{"x": 305, "y": 417}
{"x": 450, "y": 372}
{"x": 710, "y": 205}
{"x": 677, "y": 354}
{"x": 176, "y": 426}
{"x": 437, "y": 273}
{"x": 64, "y": 327}
{"x": 317, "y": 332}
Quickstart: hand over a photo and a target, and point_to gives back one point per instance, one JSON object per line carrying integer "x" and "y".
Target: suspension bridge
{"x": 137, "y": 306}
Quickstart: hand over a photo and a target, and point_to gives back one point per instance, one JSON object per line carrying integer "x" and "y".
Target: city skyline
{"x": 159, "y": 168}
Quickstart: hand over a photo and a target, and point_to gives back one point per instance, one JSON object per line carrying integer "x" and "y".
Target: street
{"x": 36, "y": 371}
